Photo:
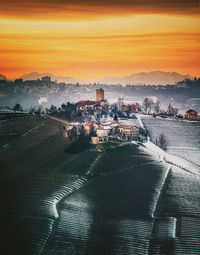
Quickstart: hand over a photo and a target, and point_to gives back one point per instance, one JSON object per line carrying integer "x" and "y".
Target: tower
{"x": 99, "y": 95}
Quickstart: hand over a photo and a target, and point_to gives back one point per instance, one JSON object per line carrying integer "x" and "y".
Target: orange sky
{"x": 99, "y": 38}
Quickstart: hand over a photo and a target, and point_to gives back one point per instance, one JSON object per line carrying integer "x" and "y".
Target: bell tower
{"x": 99, "y": 95}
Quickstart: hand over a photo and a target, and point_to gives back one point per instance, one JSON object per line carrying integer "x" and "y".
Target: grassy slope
{"x": 33, "y": 167}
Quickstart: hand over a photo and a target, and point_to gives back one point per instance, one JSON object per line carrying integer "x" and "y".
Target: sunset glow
{"x": 89, "y": 42}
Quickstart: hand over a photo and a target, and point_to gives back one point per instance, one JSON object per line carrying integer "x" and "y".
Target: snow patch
{"x": 42, "y": 100}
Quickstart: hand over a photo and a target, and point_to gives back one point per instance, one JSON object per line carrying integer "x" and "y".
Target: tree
{"x": 157, "y": 107}
{"x": 114, "y": 108}
{"x": 138, "y": 107}
{"x": 175, "y": 111}
{"x": 78, "y": 144}
{"x": 115, "y": 117}
{"x": 32, "y": 109}
{"x": 18, "y": 107}
{"x": 172, "y": 111}
{"x": 148, "y": 104}
{"x": 120, "y": 103}
{"x": 39, "y": 109}
{"x": 53, "y": 109}
{"x": 68, "y": 111}
{"x": 64, "y": 107}
{"x": 151, "y": 105}
{"x": 163, "y": 143}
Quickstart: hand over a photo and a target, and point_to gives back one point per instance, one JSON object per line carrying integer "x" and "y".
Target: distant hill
{"x": 150, "y": 78}
{"x": 35, "y": 76}
{"x": 2, "y": 77}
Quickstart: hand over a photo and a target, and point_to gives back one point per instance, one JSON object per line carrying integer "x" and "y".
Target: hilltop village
{"x": 98, "y": 119}
{"x": 101, "y": 127}
{"x": 101, "y": 121}
{"x": 44, "y": 92}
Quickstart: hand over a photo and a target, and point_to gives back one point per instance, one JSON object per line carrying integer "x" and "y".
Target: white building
{"x": 103, "y": 131}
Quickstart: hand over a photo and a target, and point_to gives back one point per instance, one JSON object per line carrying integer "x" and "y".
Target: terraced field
{"x": 183, "y": 136}
{"x": 124, "y": 200}
{"x": 180, "y": 200}
{"x": 35, "y": 174}
{"x": 113, "y": 212}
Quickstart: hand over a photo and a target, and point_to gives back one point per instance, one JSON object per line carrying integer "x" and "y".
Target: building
{"x": 77, "y": 127}
{"x": 103, "y": 131}
{"x": 89, "y": 127}
{"x": 65, "y": 133}
{"x": 69, "y": 131}
{"x": 99, "y": 95}
{"x": 192, "y": 115}
{"x": 128, "y": 132}
{"x": 99, "y": 139}
{"x": 85, "y": 105}
{"x": 104, "y": 104}
{"x": 96, "y": 125}
{"x": 72, "y": 128}
{"x": 111, "y": 126}
{"x": 133, "y": 107}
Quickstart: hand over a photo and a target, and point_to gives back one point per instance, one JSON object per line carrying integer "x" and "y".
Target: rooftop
{"x": 89, "y": 123}
{"x": 190, "y": 110}
{"x": 86, "y": 102}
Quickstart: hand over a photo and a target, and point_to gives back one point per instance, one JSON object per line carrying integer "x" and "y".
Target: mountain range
{"x": 149, "y": 78}
{"x": 35, "y": 76}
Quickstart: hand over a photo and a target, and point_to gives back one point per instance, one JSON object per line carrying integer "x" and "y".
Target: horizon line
{"x": 93, "y": 79}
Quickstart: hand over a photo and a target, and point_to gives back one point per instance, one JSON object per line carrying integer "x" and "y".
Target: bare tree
{"x": 32, "y": 109}
{"x": 163, "y": 143}
{"x": 146, "y": 104}
{"x": 151, "y": 105}
{"x": 176, "y": 111}
{"x": 39, "y": 109}
{"x": 157, "y": 107}
{"x": 138, "y": 107}
{"x": 172, "y": 111}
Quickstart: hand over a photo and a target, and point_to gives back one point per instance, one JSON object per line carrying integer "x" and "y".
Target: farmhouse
{"x": 128, "y": 132}
{"x": 191, "y": 114}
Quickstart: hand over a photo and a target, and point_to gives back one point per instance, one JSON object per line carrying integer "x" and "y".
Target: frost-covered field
{"x": 183, "y": 136}
{"x": 35, "y": 175}
{"x": 129, "y": 199}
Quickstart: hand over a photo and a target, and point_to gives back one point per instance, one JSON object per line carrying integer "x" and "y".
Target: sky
{"x": 93, "y": 39}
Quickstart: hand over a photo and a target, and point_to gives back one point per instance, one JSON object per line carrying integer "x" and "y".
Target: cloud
{"x": 90, "y": 8}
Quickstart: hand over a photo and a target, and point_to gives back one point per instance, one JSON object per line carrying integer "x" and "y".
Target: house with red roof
{"x": 89, "y": 127}
{"x": 192, "y": 115}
